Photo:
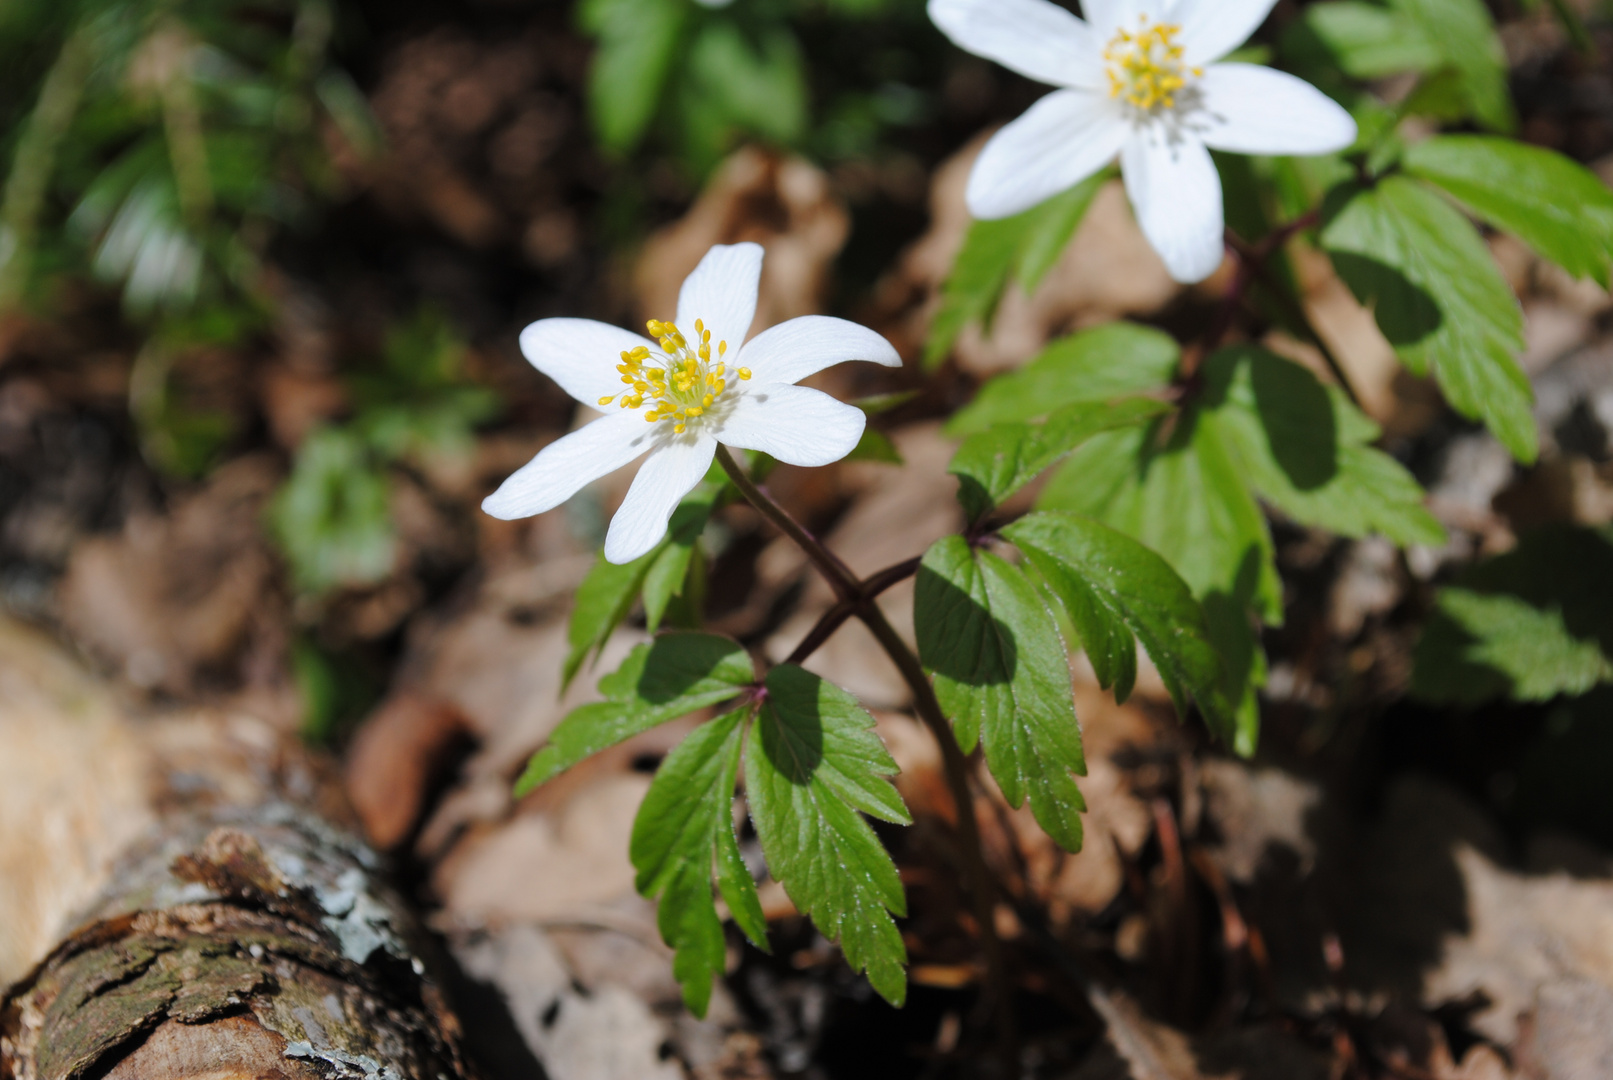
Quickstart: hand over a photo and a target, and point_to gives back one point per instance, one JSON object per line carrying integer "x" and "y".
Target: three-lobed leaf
{"x": 672, "y": 676}
{"x": 1558, "y": 207}
{"x": 813, "y": 766}
{"x": 1439, "y": 299}
{"x": 1002, "y": 674}
{"x": 1116, "y": 592}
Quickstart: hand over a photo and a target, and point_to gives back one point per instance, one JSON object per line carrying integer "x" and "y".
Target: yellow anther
{"x": 722, "y": 348}
{"x": 628, "y": 379}
{"x": 707, "y": 400}
{"x": 744, "y": 374}
{"x": 607, "y": 400}
{"x": 694, "y": 410}
{"x": 679, "y": 429}
{"x": 1145, "y": 68}
{"x": 699, "y": 327}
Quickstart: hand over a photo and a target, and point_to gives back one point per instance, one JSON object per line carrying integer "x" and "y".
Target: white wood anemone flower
{"x": 1138, "y": 79}
{"x": 676, "y": 397}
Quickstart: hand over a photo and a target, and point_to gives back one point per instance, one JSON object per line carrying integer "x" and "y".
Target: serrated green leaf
{"x": 638, "y": 40}
{"x": 1002, "y": 674}
{"x": 1465, "y": 35}
{"x": 683, "y": 827}
{"x": 812, "y": 762}
{"x": 672, "y": 676}
{"x": 1113, "y": 588}
{"x": 1530, "y": 625}
{"x": 1367, "y": 41}
{"x": 1439, "y": 299}
{"x": 1112, "y": 361}
{"x": 1188, "y": 501}
{"x": 1558, "y": 207}
{"x": 1308, "y": 451}
{"x": 994, "y": 253}
{"x": 995, "y": 463}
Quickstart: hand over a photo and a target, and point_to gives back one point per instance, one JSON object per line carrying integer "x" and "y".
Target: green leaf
{"x": 1438, "y": 298}
{"x": 812, "y": 762}
{"x": 1465, "y": 35}
{"x": 1555, "y": 205}
{"x": 333, "y": 517}
{"x": 603, "y": 600}
{"x": 1189, "y": 501}
{"x": 638, "y": 40}
{"x": 670, "y": 569}
{"x": 685, "y": 821}
{"x": 1367, "y": 41}
{"x": 606, "y": 595}
{"x": 1308, "y": 451}
{"x": 1003, "y": 675}
{"x": 1113, "y": 361}
{"x": 995, "y": 463}
{"x": 1113, "y": 588}
{"x": 1530, "y": 625}
{"x": 760, "y": 87}
{"x": 672, "y": 676}
{"x": 1025, "y": 247}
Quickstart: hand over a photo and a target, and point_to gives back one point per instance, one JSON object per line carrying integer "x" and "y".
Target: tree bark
{"x": 236, "y": 938}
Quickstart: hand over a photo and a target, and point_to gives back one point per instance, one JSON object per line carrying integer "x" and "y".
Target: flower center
{"x": 683, "y": 380}
{"x": 1145, "y": 66}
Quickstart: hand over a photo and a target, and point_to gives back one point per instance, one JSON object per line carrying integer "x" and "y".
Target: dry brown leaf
{"x": 783, "y": 203}
{"x": 180, "y": 596}
{"x": 394, "y": 762}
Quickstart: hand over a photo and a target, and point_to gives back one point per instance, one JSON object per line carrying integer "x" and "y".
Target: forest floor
{"x": 1387, "y": 890}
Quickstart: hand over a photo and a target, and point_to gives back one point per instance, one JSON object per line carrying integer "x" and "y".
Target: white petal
{"x": 1036, "y": 38}
{"x": 791, "y": 351}
{"x": 722, "y": 293}
{"x": 662, "y": 481}
{"x": 1254, "y": 110}
{"x": 1108, "y": 16}
{"x": 796, "y": 424}
{"x": 1176, "y": 194}
{"x": 1059, "y": 142}
{"x": 580, "y": 354}
{"x": 1213, "y": 28}
{"x": 569, "y": 464}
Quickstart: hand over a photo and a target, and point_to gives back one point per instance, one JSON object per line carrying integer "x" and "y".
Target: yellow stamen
{"x": 744, "y": 374}
{"x": 607, "y": 400}
{"x": 1146, "y": 68}
{"x": 680, "y": 381}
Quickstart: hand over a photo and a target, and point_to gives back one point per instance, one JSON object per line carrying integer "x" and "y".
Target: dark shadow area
{"x": 677, "y": 663}
{"x": 958, "y": 638}
{"x": 793, "y": 742}
{"x": 1406, "y": 313}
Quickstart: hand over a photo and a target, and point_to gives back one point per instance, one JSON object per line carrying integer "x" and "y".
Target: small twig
{"x": 839, "y": 575}
{"x": 837, "y": 616}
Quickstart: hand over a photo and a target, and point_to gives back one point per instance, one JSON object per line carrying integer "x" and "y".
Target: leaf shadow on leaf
{"x": 1228, "y": 616}
{"x": 991, "y": 660}
{"x": 1405, "y": 312}
{"x": 670, "y": 674}
{"x": 795, "y": 748}
{"x": 1298, "y": 417}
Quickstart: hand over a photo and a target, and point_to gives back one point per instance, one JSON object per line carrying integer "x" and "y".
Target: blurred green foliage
{"x": 156, "y": 145}
{"x": 333, "y": 518}
{"x": 693, "y": 77}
